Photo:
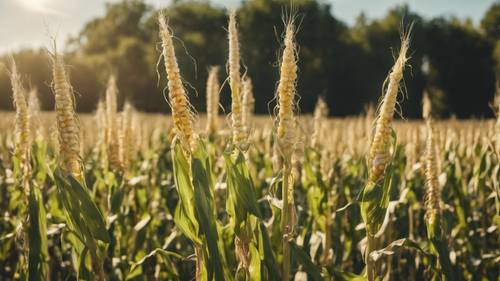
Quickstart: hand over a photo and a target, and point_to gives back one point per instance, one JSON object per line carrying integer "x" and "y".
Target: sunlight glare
{"x": 36, "y": 5}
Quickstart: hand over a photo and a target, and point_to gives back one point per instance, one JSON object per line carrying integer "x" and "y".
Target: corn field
{"x": 125, "y": 195}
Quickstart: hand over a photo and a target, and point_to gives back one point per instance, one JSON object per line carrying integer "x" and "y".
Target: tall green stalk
{"x": 286, "y": 223}
{"x": 375, "y": 196}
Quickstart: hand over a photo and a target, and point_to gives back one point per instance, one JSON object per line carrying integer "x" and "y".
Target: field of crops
{"x": 124, "y": 195}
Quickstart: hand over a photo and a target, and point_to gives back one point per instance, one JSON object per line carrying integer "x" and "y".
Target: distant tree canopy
{"x": 455, "y": 62}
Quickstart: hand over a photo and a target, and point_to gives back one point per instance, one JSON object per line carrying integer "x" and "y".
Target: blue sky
{"x": 27, "y": 23}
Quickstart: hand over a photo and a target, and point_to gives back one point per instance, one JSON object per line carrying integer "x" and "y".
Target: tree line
{"x": 452, "y": 60}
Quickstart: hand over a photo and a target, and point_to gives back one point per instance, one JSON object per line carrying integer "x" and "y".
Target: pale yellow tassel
{"x": 181, "y": 113}
{"x": 34, "y": 114}
{"x": 248, "y": 105}
{"x": 378, "y": 156}
{"x": 235, "y": 83}
{"x": 102, "y": 134}
{"x": 432, "y": 170}
{"x": 213, "y": 88}
{"x": 320, "y": 115}
{"x": 112, "y": 123}
{"x": 67, "y": 123}
{"x": 127, "y": 137}
{"x": 22, "y": 120}
{"x": 286, "y": 94}
{"x": 432, "y": 202}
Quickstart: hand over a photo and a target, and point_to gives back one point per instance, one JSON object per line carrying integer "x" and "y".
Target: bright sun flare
{"x": 38, "y": 5}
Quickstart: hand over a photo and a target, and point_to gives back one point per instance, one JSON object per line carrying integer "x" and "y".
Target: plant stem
{"x": 199, "y": 262}
{"x": 411, "y": 236}
{"x": 388, "y": 235}
{"x": 97, "y": 266}
{"x": 370, "y": 265}
{"x": 328, "y": 242}
{"x": 286, "y": 219}
{"x": 26, "y": 224}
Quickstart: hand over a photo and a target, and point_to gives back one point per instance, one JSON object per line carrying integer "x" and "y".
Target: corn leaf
{"x": 242, "y": 196}
{"x": 184, "y": 215}
{"x": 166, "y": 255}
{"x": 347, "y": 276}
{"x": 268, "y": 255}
{"x": 374, "y": 203}
{"x": 305, "y": 261}
{"x": 205, "y": 209}
{"x": 395, "y": 247}
{"x": 116, "y": 194}
{"x": 83, "y": 212}
{"x": 440, "y": 248}
{"x": 84, "y": 274}
{"x": 37, "y": 232}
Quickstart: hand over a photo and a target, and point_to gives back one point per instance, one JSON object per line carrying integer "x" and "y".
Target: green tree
{"x": 345, "y": 64}
{"x": 119, "y": 43}
{"x": 461, "y": 60}
{"x": 491, "y": 22}
{"x": 490, "y": 25}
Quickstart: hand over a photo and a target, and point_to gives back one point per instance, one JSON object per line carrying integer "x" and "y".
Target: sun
{"x": 36, "y": 5}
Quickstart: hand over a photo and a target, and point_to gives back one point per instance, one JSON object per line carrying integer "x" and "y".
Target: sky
{"x": 31, "y": 23}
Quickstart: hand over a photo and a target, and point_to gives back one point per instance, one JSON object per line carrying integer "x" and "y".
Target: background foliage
{"x": 453, "y": 60}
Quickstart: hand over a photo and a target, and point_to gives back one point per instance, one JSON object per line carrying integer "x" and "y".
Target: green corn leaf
{"x": 375, "y": 200}
{"x": 312, "y": 174}
{"x": 73, "y": 217}
{"x": 37, "y": 232}
{"x": 75, "y": 242}
{"x": 116, "y": 195}
{"x": 242, "y": 196}
{"x": 440, "y": 248}
{"x": 347, "y": 206}
{"x": 315, "y": 197}
{"x": 84, "y": 274}
{"x": 205, "y": 209}
{"x": 92, "y": 216}
{"x": 268, "y": 255}
{"x": 84, "y": 213}
{"x": 185, "y": 225}
{"x": 16, "y": 167}
{"x": 312, "y": 170}
{"x": 39, "y": 151}
{"x": 347, "y": 276}
{"x": 308, "y": 265}
{"x": 395, "y": 247}
{"x": 255, "y": 264}
{"x": 166, "y": 257}
{"x": 184, "y": 213}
